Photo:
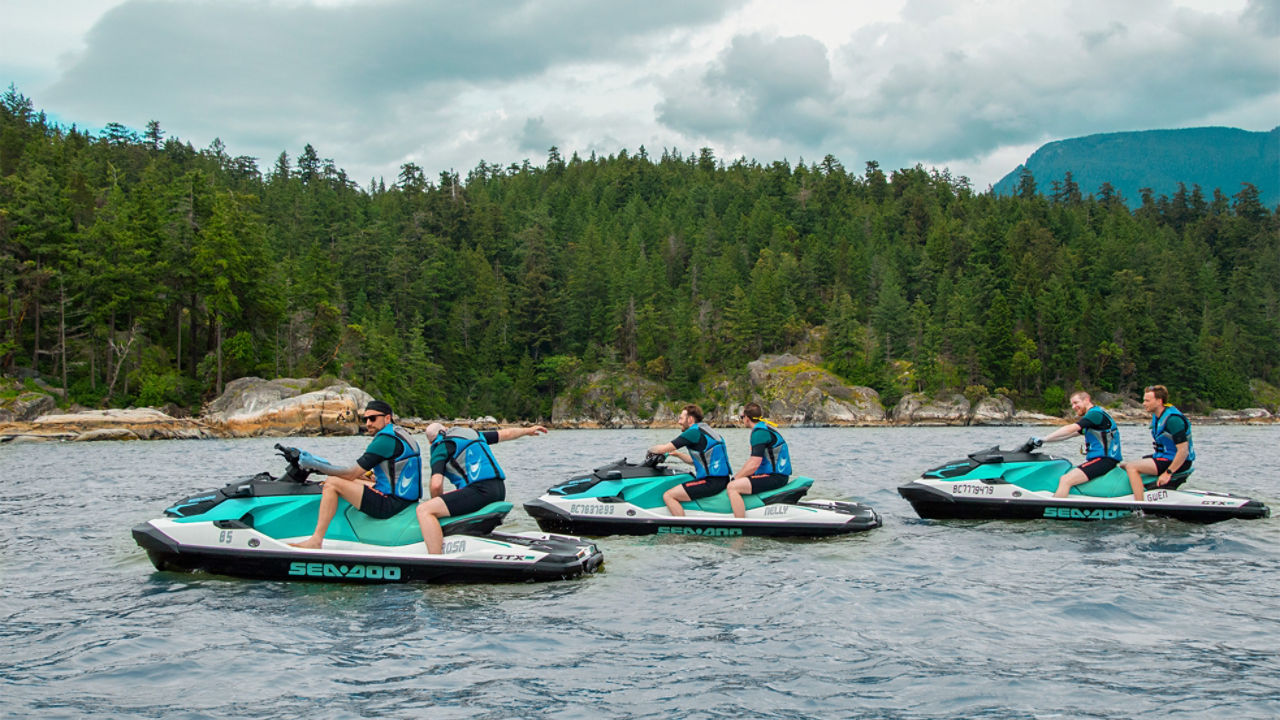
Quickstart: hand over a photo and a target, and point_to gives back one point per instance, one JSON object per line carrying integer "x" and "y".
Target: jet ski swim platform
{"x": 244, "y": 530}
{"x": 995, "y": 484}
{"x": 625, "y": 498}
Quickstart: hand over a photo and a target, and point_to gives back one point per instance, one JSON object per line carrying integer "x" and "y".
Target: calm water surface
{"x": 918, "y": 619}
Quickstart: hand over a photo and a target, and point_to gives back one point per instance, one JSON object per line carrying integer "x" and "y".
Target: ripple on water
{"x": 919, "y": 619}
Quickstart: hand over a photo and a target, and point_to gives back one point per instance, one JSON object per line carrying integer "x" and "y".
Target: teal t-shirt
{"x": 1095, "y": 419}
{"x": 761, "y": 439}
{"x": 383, "y": 447}
{"x": 1177, "y": 428}
{"x": 691, "y": 438}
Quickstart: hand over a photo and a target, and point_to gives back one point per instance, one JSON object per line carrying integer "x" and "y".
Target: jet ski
{"x": 1019, "y": 484}
{"x": 625, "y": 498}
{"x": 244, "y": 530}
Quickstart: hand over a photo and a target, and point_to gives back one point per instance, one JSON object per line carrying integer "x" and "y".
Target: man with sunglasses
{"x": 386, "y": 479}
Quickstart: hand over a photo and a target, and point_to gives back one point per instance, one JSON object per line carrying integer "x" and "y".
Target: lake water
{"x": 1136, "y": 618}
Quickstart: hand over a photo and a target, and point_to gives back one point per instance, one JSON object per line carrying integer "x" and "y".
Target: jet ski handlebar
{"x": 292, "y": 455}
{"x": 652, "y": 460}
{"x": 1031, "y": 444}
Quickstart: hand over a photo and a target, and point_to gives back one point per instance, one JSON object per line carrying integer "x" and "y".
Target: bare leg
{"x": 334, "y": 488}
{"x": 1070, "y": 480}
{"x": 672, "y": 499}
{"x": 734, "y": 490}
{"x": 429, "y": 514}
{"x": 1136, "y": 470}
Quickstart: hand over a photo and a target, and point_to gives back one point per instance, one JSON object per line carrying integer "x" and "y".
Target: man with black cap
{"x": 386, "y": 479}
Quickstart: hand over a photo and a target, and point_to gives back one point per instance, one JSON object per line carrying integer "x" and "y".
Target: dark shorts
{"x": 706, "y": 487}
{"x": 765, "y": 483}
{"x": 474, "y": 496}
{"x": 1162, "y": 464}
{"x": 1097, "y": 467}
{"x": 379, "y": 506}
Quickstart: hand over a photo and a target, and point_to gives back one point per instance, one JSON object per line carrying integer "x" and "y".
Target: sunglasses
{"x": 371, "y": 418}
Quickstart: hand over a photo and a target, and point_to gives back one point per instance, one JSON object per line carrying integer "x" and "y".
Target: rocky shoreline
{"x": 793, "y": 391}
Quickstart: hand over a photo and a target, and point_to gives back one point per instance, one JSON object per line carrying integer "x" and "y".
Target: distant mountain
{"x": 1211, "y": 157}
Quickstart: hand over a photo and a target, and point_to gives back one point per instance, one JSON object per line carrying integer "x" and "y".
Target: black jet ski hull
{"x": 939, "y": 503}
{"x": 554, "y": 518}
{"x": 561, "y": 558}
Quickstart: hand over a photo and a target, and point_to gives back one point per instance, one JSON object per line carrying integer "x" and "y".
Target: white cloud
{"x": 376, "y": 83}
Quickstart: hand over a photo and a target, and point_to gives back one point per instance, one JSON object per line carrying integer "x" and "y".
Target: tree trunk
{"x": 219, "y": 333}
{"x": 62, "y": 332}
{"x": 110, "y": 359}
{"x": 35, "y": 340}
{"x": 122, "y": 352}
{"x": 191, "y": 325}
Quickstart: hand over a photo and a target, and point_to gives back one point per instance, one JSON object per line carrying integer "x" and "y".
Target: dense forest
{"x": 140, "y": 270}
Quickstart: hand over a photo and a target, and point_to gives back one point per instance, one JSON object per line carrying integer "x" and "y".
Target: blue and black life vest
{"x": 712, "y": 460}
{"x": 1162, "y": 440}
{"x": 777, "y": 458}
{"x": 1102, "y": 443}
{"x": 472, "y": 459}
{"x": 400, "y": 476}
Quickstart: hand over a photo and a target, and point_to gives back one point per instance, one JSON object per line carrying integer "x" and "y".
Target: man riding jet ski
{"x": 628, "y": 499}
{"x": 245, "y": 529}
{"x": 1020, "y": 484}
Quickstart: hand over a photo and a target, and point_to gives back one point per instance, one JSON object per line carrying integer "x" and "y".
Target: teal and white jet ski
{"x": 1019, "y": 484}
{"x": 625, "y": 498}
{"x": 245, "y": 528}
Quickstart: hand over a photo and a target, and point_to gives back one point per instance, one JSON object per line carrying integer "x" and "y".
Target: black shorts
{"x": 1162, "y": 464}
{"x": 379, "y": 506}
{"x": 474, "y": 496}
{"x": 1098, "y": 467}
{"x": 765, "y": 483}
{"x": 706, "y": 487}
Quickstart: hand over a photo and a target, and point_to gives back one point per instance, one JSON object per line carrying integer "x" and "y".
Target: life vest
{"x": 400, "y": 476}
{"x": 472, "y": 459}
{"x": 777, "y": 458}
{"x": 1102, "y": 443}
{"x": 713, "y": 460}
{"x": 1162, "y": 440}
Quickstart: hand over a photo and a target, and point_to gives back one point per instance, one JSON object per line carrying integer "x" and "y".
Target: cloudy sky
{"x": 974, "y": 86}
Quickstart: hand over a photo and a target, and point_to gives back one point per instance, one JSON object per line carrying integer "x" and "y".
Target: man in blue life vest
{"x": 769, "y": 466}
{"x": 1101, "y": 442}
{"x": 463, "y": 455}
{"x": 707, "y": 454}
{"x": 386, "y": 479}
{"x": 1171, "y": 439}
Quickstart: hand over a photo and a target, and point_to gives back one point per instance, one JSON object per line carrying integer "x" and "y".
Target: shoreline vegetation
{"x": 253, "y": 407}
{"x": 140, "y": 271}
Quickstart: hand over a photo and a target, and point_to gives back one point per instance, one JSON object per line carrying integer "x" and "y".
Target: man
{"x": 1101, "y": 442}
{"x": 463, "y": 456}
{"x": 386, "y": 479}
{"x": 769, "y": 466}
{"x": 1171, "y": 440}
{"x": 707, "y": 454}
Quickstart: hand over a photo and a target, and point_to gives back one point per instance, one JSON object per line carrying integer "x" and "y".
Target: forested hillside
{"x": 1142, "y": 165}
{"x": 140, "y": 270}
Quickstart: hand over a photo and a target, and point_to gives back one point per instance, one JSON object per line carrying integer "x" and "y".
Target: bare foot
{"x": 308, "y": 544}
